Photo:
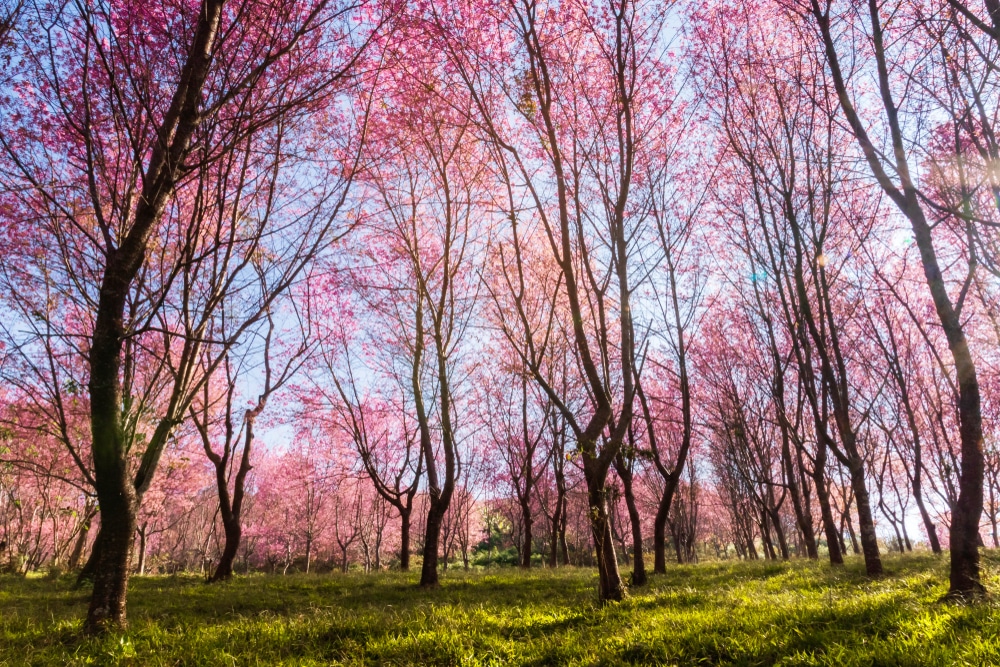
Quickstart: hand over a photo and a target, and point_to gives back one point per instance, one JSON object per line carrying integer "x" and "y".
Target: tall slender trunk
{"x": 925, "y": 516}
{"x": 892, "y": 353}
{"x": 846, "y": 521}
{"x": 141, "y": 566}
{"x": 231, "y": 506}
{"x": 866, "y": 520}
{"x": 803, "y": 518}
{"x": 751, "y": 548}
{"x": 765, "y": 535}
{"x": 557, "y": 522}
{"x": 526, "y": 537}
{"x": 404, "y": 540}
{"x": 918, "y": 496}
{"x": 660, "y": 535}
{"x": 563, "y": 546}
{"x": 833, "y": 371}
{"x": 833, "y": 540}
{"x": 639, "y": 577}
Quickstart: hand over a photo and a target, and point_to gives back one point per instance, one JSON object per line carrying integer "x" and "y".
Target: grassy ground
{"x": 710, "y": 614}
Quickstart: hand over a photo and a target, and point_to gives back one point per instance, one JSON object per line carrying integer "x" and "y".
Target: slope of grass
{"x": 710, "y": 614}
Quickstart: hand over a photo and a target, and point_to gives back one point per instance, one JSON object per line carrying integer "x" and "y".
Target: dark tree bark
{"x": 624, "y": 470}
{"x": 404, "y": 540}
{"x": 557, "y": 526}
{"x": 671, "y": 476}
{"x": 834, "y": 543}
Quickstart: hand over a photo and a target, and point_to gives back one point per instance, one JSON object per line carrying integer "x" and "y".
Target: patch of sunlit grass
{"x": 796, "y": 613}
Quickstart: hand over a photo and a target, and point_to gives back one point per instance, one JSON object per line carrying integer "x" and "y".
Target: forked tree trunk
{"x": 800, "y": 505}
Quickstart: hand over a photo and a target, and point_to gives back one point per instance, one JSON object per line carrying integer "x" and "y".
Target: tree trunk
{"x": 563, "y": 546}
{"x": 233, "y": 532}
{"x": 765, "y": 535}
{"x": 660, "y": 535}
{"x": 117, "y": 494}
{"x": 113, "y": 560}
{"x": 846, "y": 521}
{"x": 404, "y": 540}
{"x": 638, "y": 565}
{"x": 866, "y": 522}
{"x": 432, "y": 536}
{"x": 526, "y": 538}
{"x": 833, "y": 539}
{"x": 554, "y": 534}
{"x": 751, "y": 548}
{"x": 929, "y": 526}
{"x": 639, "y": 577}
{"x": 803, "y": 517}
{"x": 610, "y": 584}
{"x": 309, "y": 544}
{"x": 141, "y": 567}
{"x": 779, "y": 533}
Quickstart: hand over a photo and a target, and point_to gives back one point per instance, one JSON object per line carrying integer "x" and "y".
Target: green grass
{"x": 711, "y": 614}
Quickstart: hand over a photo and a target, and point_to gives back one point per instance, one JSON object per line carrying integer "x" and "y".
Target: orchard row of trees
{"x": 338, "y": 281}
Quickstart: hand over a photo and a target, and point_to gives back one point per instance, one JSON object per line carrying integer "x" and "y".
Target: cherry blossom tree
{"x": 109, "y": 162}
